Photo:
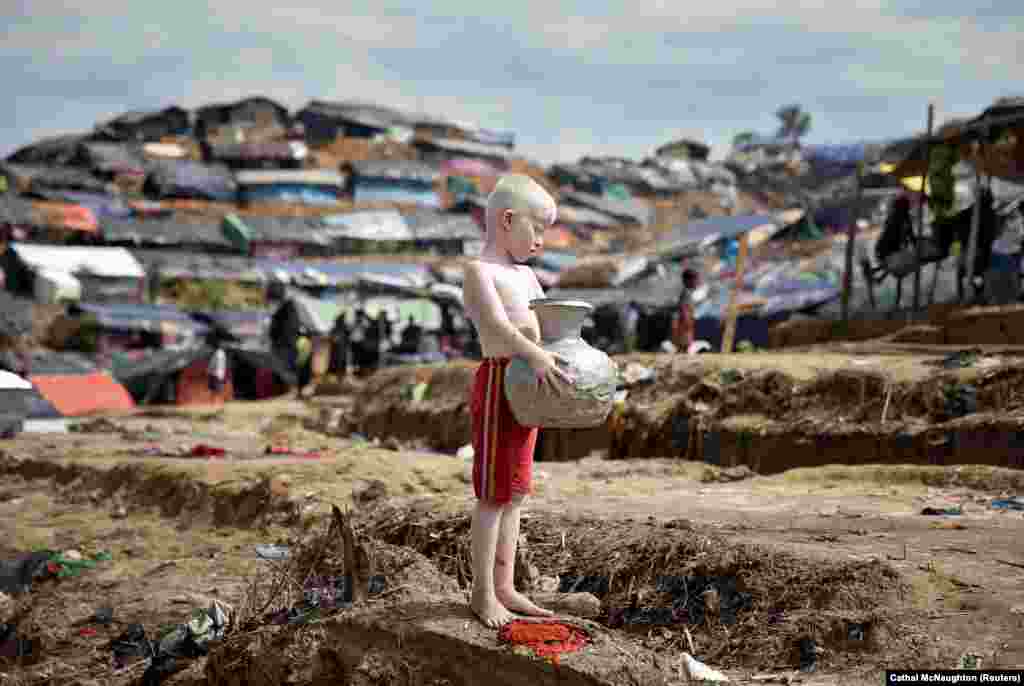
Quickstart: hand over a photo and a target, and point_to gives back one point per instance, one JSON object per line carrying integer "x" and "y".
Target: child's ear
{"x": 506, "y": 217}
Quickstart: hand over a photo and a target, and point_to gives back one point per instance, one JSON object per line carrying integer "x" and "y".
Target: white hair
{"x": 520, "y": 193}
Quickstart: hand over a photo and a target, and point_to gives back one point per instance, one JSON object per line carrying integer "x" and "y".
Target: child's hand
{"x": 545, "y": 368}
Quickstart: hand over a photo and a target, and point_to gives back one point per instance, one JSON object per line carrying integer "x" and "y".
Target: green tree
{"x": 794, "y": 123}
{"x": 742, "y": 138}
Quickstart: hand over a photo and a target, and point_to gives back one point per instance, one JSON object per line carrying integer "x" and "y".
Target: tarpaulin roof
{"x": 417, "y": 275}
{"x": 163, "y": 231}
{"x": 427, "y": 225}
{"x": 15, "y": 315}
{"x": 187, "y": 178}
{"x": 317, "y": 315}
{"x": 16, "y": 211}
{"x": 49, "y": 363}
{"x": 694, "y": 236}
{"x": 140, "y": 317}
{"x": 66, "y": 216}
{"x": 10, "y": 381}
{"x": 409, "y": 171}
{"x": 468, "y": 166}
{"x": 219, "y": 113}
{"x": 369, "y": 225}
{"x": 102, "y": 205}
{"x": 395, "y": 192}
{"x": 188, "y": 265}
{"x": 311, "y": 177}
{"x": 105, "y": 261}
{"x": 53, "y": 150}
{"x": 363, "y": 114}
{"x": 632, "y": 211}
{"x": 273, "y": 150}
{"x": 459, "y": 148}
{"x": 112, "y": 158}
{"x": 241, "y": 324}
{"x": 567, "y": 214}
{"x": 55, "y": 177}
{"x": 302, "y": 230}
{"x": 122, "y": 125}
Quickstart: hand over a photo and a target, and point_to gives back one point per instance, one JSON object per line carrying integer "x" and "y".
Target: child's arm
{"x": 479, "y": 293}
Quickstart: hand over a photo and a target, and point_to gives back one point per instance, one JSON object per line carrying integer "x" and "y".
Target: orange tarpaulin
{"x": 75, "y": 395}
{"x": 66, "y": 215}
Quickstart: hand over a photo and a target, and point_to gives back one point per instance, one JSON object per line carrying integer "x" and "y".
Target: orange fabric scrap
{"x": 545, "y": 639}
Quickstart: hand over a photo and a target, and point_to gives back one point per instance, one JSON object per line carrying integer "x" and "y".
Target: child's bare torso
{"x": 516, "y": 286}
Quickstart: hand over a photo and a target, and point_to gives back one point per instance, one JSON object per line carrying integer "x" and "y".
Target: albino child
{"x": 497, "y": 291}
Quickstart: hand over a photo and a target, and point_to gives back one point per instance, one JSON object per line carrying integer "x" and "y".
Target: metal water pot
{"x": 584, "y": 403}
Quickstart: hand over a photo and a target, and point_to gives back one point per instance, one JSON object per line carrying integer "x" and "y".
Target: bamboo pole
{"x": 729, "y": 331}
{"x": 851, "y": 239}
{"x": 972, "y": 241}
{"x": 920, "y": 207}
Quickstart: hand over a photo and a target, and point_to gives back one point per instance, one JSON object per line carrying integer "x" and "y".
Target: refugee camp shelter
{"x": 52, "y": 151}
{"x": 120, "y": 326}
{"x": 301, "y": 315}
{"x": 253, "y": 112}
{"x": 398, "y": 181}
{"x": 387, "y": 231}
{"x": 55, "y": 273}
{"x": 440, "y": 149}
{"x": 189, "y": 180}
{"x": 16, "y": 318}
{"x": 145, "y": 125}
{"x": 23, "y": 409}
{"x": 74, "y": 386}
{"x": 29, "y": 179}
{"x": 326, "y": 121}
{"x": 166, "y": 232}
{"x": 304, "y": 187}
{"x": 110, "y": 160}
{"x": 259, "y": 155}
{"x": 181, "y": 376}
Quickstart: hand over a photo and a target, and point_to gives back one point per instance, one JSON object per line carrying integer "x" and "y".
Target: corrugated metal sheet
{"x": 102, "y": 262}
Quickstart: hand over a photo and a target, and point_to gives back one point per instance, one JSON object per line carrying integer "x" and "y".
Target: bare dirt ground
{"x": 182, "y": 530}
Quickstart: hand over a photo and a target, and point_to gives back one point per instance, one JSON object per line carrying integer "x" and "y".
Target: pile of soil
{"x": 745, "y": 606}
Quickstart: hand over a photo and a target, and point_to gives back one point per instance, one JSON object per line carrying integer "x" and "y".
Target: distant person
{"x": 218, "y": 371}
{"x": 412, "y": 336}
{"x": 303, "y": 359}
{"x": 631, "y": 326}
{"x": 340, "y": 342}
{"x": 684, "y": 328}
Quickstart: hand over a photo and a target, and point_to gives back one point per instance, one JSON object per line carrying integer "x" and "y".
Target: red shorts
{"x": 502, "y": 447}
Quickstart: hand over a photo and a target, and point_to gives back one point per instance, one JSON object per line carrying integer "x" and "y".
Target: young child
{"x": 497, "y": 291}
{"x": 684, "y": 326}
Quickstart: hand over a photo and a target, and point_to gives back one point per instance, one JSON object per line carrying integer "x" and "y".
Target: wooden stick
{"x": 920, "y": 207}
{"x": 851, "y": 239}
{"x": 888, "y": 396}
{"x": 1018, "y": 565}
{"x": 729, "y": 332}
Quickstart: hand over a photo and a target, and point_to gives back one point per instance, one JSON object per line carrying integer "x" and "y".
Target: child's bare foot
{"x": 517, "y": 602}
{"x": 489, "y": 610}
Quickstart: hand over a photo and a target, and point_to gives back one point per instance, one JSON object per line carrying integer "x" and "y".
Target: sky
{"x": 583, "y": 77}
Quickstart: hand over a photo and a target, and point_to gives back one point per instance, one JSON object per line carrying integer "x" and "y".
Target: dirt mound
{"x": 259, "y": 502}
{"x": 744, "y": 605}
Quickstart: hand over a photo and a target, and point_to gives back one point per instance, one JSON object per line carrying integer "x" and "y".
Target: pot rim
{"x": 560, "y": 302}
